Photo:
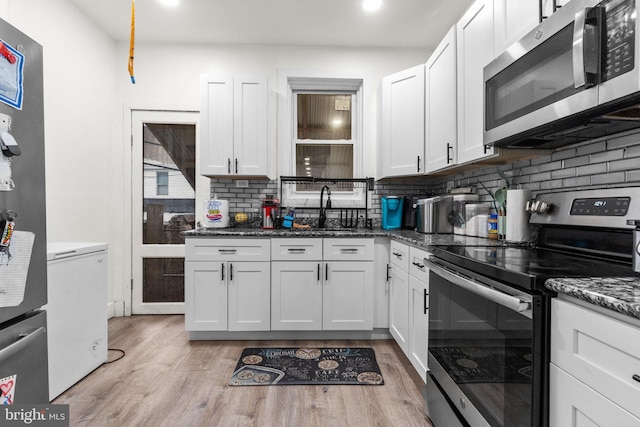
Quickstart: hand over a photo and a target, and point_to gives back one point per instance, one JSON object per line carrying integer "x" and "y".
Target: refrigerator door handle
{"x": 22, "y": 343}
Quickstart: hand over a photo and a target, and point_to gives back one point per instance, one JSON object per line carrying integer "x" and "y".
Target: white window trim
{"x": 291, "y": 80}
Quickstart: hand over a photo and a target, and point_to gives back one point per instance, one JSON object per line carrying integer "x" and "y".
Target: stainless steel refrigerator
{"x": 23, "y": 246}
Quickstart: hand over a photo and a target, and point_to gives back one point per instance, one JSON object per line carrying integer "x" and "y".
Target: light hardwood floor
{"x": 167, "y": 380}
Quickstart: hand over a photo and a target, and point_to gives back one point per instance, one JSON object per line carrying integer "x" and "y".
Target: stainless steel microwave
{"x": 573, "y": 78}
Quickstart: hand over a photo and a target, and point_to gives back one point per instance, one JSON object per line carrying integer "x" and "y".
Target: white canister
{"x": 476, "y": 215}
{"x": 216, "y": 213}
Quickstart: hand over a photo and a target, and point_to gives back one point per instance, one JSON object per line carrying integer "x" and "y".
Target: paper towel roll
{"x": 517, "y": 216}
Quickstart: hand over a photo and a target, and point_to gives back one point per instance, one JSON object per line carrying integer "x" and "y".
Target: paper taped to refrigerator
{"x": 14, "y": 268}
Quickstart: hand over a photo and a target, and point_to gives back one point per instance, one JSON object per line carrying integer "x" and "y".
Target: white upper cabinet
{"x": 475, "y": 49}
{"x": 234, "y": 137}
{"x": 440, "y": 105}
{"x": 403, "y": 123}
{"x": 514, "y": 20}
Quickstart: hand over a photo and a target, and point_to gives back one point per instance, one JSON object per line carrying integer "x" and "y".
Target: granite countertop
{"x": 621, "y": 294}
{"x": 406, "y": 236}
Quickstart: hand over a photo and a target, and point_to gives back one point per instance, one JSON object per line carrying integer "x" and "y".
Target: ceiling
{"x": 398, "y": 24}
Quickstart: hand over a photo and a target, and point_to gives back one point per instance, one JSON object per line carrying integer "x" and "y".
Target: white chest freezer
{"x": 76, "y": 311}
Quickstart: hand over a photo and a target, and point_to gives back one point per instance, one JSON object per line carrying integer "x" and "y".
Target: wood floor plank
{"x": 166, "y": 380}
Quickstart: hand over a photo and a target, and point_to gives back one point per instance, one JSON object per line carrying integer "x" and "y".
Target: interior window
{"x": 324, "y": 131}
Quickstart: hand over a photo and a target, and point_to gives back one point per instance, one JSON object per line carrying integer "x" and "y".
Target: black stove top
{"x": 528, "y": 268}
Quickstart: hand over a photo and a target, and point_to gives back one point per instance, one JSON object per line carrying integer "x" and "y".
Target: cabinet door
{"x": 216, "y": 125}
{"x": 572, "y": 403}
{"x": 418, "y": 325}
{"x": 475, "y": 49}
{"x": 399, "y": 307}
{"x": 249, "y": 285}
{"x": 296, "y": 296}
{"x": 514, "y": 20}
{"x": 440, "y": 105}
{"x": 250, "y": 136}
{"x": 205, "y": 296}
{"x": 347, "y": 302}
{"x": 403, "y": 122}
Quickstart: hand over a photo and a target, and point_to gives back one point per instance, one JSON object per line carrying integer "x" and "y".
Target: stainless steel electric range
{"x": 489, "y": 308}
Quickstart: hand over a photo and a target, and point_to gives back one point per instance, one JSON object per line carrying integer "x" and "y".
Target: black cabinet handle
{"x": 388, "y": 268}
{"x": 486, "y": 148}
{"x": 449, "y": 150}
{"x": 426, "y": 301}
{"x": 326, "y": 271}
{"x": 397, "y": 254}
{"x": 418, "y": 163}
{"x": 222, "y": 269}
{"x": 231, "y": 272}
{"x": 417, "y": 264}
{"x": 318, "y": 272}
{"x": 636, "y": 377}
{"x": 228, "y": 166}
{"x": 236, "y": 166}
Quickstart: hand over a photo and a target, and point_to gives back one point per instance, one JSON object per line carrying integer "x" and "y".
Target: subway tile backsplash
{"x": 598, "y": 164}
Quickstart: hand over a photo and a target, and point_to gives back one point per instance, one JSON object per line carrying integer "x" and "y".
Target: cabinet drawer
{"x": 417, "y": 265}
{"x": 348, "y": 249}
{"x": 600, "y": 351}
{"x": 571, "y": 403}
{"x": 294, "y": 249}
{"x": 207, "y": 249}
{"x": 399, "y": 255}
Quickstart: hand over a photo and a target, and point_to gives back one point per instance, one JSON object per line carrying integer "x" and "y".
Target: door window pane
{"x": 169, "y": 182}
{"x": 163, "y": 280}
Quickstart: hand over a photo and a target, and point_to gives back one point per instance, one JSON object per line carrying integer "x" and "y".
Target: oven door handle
{"x": 514, "y": 303}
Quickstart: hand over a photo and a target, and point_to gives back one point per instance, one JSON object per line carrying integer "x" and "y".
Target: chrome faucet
{"x": 322, "y": 219}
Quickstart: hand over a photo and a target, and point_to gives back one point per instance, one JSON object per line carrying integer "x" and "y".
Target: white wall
{"x": 79, "y": 106}
{"x": 88, "y": 95}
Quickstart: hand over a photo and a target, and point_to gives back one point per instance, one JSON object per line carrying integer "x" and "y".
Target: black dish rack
{"x": 349, "y": 216}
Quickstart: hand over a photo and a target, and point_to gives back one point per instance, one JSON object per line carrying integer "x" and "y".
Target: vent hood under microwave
{"x": 573, "y": 78}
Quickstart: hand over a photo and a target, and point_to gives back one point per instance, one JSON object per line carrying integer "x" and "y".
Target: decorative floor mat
{"x": 485, "y": 364}
{"x": 310, "y": 366}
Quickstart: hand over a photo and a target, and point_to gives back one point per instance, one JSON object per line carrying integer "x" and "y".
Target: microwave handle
{"x": 585, "y": 65}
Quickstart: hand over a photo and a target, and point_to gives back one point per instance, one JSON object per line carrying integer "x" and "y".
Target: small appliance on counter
{"x": 433, "y": 215}
{"x": 270, "y": 208}
{"x": 409, "y": 213}
{"x": 391, "y": 212}
{"x": 459, "y": 211}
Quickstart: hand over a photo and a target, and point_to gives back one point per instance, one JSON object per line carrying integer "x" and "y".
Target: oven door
{"x": 487, "y": 348}
{"x": 548, "y": 75}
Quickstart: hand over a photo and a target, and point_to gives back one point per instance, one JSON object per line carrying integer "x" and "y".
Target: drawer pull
{"x": 349, "y": 250}
{"x": 397, "y": 254}
{"x": 296, "y": 250}
{"x": 417, "y": 264}
{"x": 636, "y": 377}
{"x": 227, "y": 251}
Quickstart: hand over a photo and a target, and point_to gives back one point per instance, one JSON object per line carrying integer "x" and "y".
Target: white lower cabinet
{"x": 399, "y": 295}
{"x": 296, "y": 296}
{"x": 227, "y": 284}
{"x": 227, "y": 296}
{"x": 418, "y": 310}
{"x": 322, "y": 284}
{"x": 572, "y": 403}
{"x": 595, "y": 368}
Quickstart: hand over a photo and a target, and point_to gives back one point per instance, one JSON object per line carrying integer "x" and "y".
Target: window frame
{"x": 292, "y": 82}
{"x": 164, "y": 184}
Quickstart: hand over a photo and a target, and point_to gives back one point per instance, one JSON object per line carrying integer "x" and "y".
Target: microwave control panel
{"x": 620, "y": 26}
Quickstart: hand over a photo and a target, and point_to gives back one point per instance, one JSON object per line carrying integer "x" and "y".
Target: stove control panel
{"x": 601, "y": 206}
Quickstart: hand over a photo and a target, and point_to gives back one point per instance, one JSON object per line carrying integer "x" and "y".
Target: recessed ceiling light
{"x": 371, "y": 5}
{"x": 172, "y": 3}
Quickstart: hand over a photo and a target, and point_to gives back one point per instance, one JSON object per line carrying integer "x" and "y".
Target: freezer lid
{"x": 60, "y": 250}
